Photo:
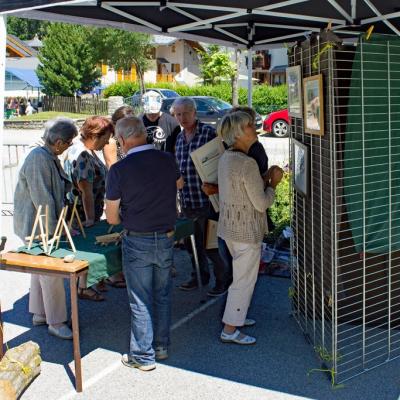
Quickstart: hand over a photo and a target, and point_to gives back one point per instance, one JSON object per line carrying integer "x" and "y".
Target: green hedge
{"x": 265, "y": 98}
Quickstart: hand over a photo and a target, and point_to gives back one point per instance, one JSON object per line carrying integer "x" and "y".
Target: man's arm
{"x": 112, "y": 212}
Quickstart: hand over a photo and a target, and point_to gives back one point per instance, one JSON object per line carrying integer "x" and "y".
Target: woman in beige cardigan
{"x": 242, "y": 220}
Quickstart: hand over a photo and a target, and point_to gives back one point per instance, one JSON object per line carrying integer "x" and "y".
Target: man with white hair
{"x": 195, "y": 203}
{"x": 148, "y": 213}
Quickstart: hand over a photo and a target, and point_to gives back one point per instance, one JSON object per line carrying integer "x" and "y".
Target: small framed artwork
{"x": 313, "y": 105}
{"x": 301, "y": 167}
{"x": 293, "y": 79}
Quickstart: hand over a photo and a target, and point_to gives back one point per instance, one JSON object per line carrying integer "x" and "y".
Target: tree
{"x": 67, "y": 61}
{"x": 235, "y": 79}
{"x": 216, "y": 65}
{"x": 26, "y": 29}
{"x": 122, "y": 49}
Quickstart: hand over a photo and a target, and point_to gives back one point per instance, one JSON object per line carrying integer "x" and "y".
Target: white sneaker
{"x": 132, "y": 363}
{"x": 62, "y": 332}
{"x": 38, "y": 320}
{"x": 235, "y": 338}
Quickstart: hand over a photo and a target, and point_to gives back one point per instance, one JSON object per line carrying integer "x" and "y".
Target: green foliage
{"x": 124, "y": 89}
{"x": 215, "y": 65}
{"x": 280, "y": 210}
{"x": 265, "y": 98}
{"x": 68, "y": 62}
{"x": 26, "y": 29}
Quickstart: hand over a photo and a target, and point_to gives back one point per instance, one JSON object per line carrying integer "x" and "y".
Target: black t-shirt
{"x": 146, "y": 184}
{"x": 257, "y": 152}
{"x": 162, "y": 132}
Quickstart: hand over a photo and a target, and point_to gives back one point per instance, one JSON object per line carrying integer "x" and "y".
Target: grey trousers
{"x": 47, "y": 297}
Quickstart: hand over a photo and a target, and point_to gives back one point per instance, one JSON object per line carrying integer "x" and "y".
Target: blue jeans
{"x": 147, "y": 262}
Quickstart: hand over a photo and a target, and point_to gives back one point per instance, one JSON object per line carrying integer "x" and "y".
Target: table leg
{"x": 196, "y": 261}
{"x": 75, "y": 332}
{"x": 1, "y": 336}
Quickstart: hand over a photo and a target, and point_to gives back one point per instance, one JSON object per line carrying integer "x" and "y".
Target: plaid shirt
{"x": 191, "y": 194}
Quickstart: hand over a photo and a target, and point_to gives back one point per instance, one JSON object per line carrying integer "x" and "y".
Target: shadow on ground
{"x": 279, "y": 361}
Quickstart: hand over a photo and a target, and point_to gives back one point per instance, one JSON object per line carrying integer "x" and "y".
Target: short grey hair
{"x": 59, "y": 129}
{"x": 232, "y": 126}
{"x": 186, "y": 102}
{"x": 130, "y": 126}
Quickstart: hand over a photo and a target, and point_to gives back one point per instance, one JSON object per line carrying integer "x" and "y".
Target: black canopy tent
{"x": 252, "y": 24}
{"x": 255, "y": 24}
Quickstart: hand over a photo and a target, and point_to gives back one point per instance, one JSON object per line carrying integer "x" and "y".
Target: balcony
{"x": 166, "y": 77}
{"x": 262, "y": 61}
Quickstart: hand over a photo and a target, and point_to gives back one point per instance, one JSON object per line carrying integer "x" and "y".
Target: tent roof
{"x": 254, "y": 23}
{"x": 26, "y": 75}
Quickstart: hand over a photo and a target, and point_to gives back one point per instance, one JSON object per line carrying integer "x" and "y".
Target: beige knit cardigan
{"x": 242, "y": 198}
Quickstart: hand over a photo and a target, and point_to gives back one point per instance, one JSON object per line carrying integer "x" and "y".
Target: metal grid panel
{"x": 346, "y": 245}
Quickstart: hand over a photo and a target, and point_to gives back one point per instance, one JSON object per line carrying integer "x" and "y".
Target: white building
{"x": 174, "y": 60}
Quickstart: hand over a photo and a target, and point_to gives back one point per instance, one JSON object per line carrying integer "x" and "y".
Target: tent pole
{"x": 249, "y": 77}
{"x": 3, "y": 41}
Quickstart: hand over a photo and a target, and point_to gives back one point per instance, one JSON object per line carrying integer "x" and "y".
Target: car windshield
{"x": 218, "y": 104}
{"x": 169, "y": 93}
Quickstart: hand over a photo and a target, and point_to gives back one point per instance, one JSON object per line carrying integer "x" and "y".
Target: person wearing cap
{"x": 162, "y": 129}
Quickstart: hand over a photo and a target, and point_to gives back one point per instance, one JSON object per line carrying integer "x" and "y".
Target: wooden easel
{"x": 78, "y": 218}
{"x": 43, "y": 228}
{"x": 60, "y": 227}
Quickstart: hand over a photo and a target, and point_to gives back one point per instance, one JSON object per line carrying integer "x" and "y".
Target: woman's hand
{"x": 209, "y": 188}
{"x": 274, "y": 176}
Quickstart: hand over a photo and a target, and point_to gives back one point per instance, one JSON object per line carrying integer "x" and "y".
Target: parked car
{"x": 210, "y": 110}
{"x": 134, "y": 100}
{"x": 277, "y": 123}
{"x": 164, "y": 93}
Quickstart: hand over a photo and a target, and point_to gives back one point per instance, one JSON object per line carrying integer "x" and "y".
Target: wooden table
{"x": 44, "y": 265}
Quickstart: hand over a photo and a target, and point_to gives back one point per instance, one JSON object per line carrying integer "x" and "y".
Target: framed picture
{"x": 301, "y": 167}
{"x": 293, "y": 79}
{"x": 313, "y": 105}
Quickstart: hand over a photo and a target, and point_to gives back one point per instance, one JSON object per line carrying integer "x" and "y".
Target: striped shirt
{"x": 192, "y": 196}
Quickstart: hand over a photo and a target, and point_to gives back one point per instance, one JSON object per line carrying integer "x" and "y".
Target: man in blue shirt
{"x": 141, "y": 194}
{"x": 195, "y": 204}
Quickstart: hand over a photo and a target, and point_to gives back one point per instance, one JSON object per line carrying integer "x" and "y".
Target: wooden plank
{"x": 43, "y": 262}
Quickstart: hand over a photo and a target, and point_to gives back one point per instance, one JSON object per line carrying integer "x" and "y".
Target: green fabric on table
{"x": 104, "y": 261}
{"x": 372, "y": 195}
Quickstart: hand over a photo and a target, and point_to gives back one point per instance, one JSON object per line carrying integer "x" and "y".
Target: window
{"x": 202, "y": 106}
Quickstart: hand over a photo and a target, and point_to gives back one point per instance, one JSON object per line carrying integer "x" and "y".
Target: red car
{"x": 277, "y": 123}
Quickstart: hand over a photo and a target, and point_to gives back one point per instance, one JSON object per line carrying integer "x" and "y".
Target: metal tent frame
{"x": 261, "y": 24}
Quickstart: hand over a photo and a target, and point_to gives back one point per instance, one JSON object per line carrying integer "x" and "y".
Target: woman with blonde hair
{"x": 242, "y": 222}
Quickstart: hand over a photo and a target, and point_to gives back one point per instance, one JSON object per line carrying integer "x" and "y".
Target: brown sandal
{"x": 89, "y": 294}
{"x": 119, "y": 283}
{"x": 101, "y": 286}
